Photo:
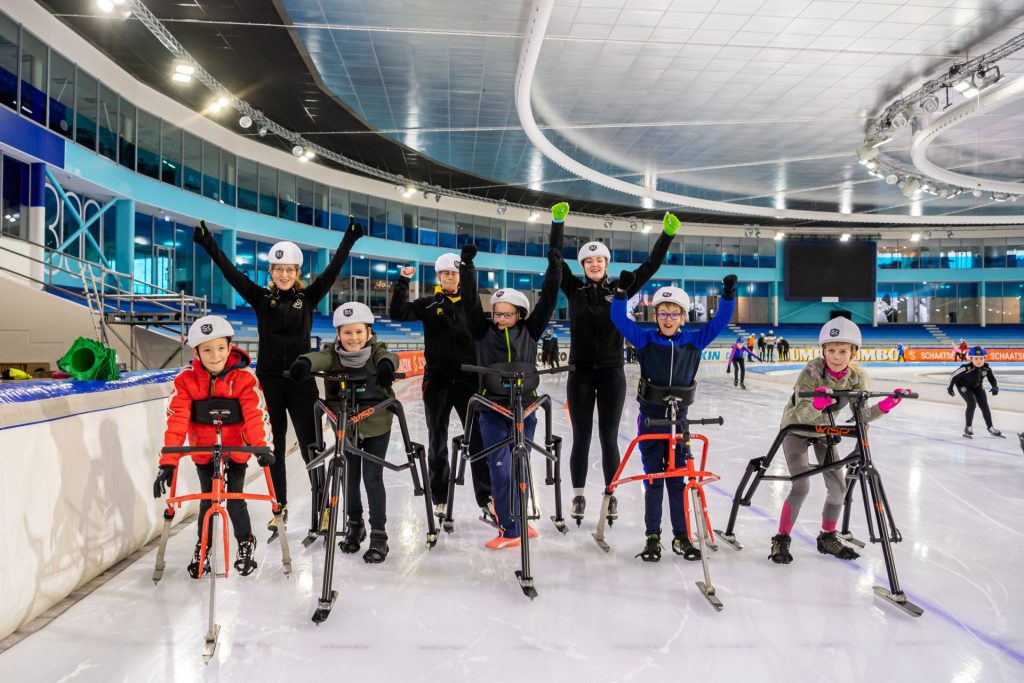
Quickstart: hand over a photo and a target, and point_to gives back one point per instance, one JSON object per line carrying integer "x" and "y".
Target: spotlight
{"x": 892, "y": 179}
{"x": 929, "y": 104}
{"x": 502, "y": 208}
{"x": 218, "y": 104}
{"x": 437, "y": 198}
{"x": 949, "y": 233}
{"x": 779, "y": 236}
{"x": 866, "y": 154}
{"x": 845, "y": 237}
{"x": 916, "y": 237}
{"x": 308, "y": 155}
{"x": 909, "y": 187}
{"x": 409, "y": 191}
{"x": 646, "y": 229}
{"x": 900, "y": 119}
{"x": 976, "y": 193}
{"x": 181, "y": 78}
{"x": 757, "y": 233}
{"x": 632, "y": 226}
{"x": 872, "y": 165}
{"x": 262, "y": 132}
{"x": 533, "y": 216}
{"x": 105, "y": 5}
{"x": 299, "y": 150}
{"x": 183, "y": 71}
{"x": 399, "y": 189}
{"x": 608, "y": 223}
{"x": 245, "y": 122}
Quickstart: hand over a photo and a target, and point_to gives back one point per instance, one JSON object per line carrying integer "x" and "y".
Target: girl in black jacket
{"x": 969, "y": 380}
{"x": 284, "y": 316}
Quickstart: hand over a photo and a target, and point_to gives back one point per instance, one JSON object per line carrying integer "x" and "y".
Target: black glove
{"x": 554, "y": 258}
{"x": 354, "y": 232}
{"x": 949, "y": 390}
{"x": 266, "y": 459}
{"x": 201, "y": 234}
{"x": 163, "y": 480}
{"x": 995, "y": 390}
{"x": 627, "y": 279}
{"x": 385, "y": 374}
{"x": 729, "y": 288}
{"x": 467, "y": 254}
{"x": 300, "y": 369}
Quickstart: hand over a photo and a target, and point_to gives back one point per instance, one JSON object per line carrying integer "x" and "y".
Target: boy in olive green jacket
{"x": 355, "y": 349}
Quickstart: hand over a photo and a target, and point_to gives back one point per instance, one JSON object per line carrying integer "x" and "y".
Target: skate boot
{"x": 613, "y": 510}
{"x": 652, "y": 549}
{"x": 995, "y": 432}
{"x": 780, "y": 549}
{"x": 579, "y": 505}
{"x": 1021, "y": 437}
{"x": 355, "y": 534}
{"x": 487, "y": 514}
{"x": 681, "y": 546}
{"x": 743, "y": 385}
{"x": 378, "y": 550}
{"x": 193, "y": 566}
{"x": 829, "y": 544}
{"x": 440, "y": 510}
{"x": 272, "y": 524}
{"x": 968, "y": 432}
{"x": 245, "y": 563}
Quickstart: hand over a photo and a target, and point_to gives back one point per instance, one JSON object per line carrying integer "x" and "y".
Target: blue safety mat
{"x": 36, "y": 390}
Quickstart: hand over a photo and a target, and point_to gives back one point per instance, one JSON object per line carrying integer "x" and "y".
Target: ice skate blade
{"x": 729, "y": 539}
{"x": 210, "y": 644}
{"x": 601, "y": 543}
{"x": 900, "y": 601}
{"x": 324, "y": 608}
{"x": 431, "y": 540}
{"x": 489, "y": 521}
{"x": 710, "y": 594}
{"x": 310, "y": 539}
{"x": 273, "y": 537}
{"x": 849, "y": 538}
{"x": 157, "y": 575}
{"x": 560, "y": 524}
{"x": 448, "y": 526}
{"x": 527, "y": 585}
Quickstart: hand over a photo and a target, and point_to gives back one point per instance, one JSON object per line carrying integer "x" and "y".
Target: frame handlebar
{"x": 211, "y": 449}
{"x": 850, "y": 393}
{"x": 480, "y": 370}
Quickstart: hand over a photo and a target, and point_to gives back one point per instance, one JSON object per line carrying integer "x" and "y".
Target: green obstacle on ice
{"x": 88, "y": 359}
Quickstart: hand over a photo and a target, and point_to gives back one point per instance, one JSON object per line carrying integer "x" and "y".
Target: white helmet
{"x": 209, "y": 327}
{"x": 591, "y": 249}
{"x": 771, "y": 331}
{"x": 352, "y": 312}
{"x": 671, "y": 295}
{"x": 285, "y": 253}
{"x": 840, "y": 330}
{"x": 447, "y": 262}
{"x": 511, "y": 296}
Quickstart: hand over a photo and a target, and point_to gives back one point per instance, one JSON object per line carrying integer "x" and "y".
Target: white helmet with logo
{"x": 514, "y": 297}
{"x": 352, "y": 312}
{"x": 591, "y": 249}
{"x": 840, "y": 330}
{"x": 285, "y": 253}
{"x": 671, "y": 295}
{"x": 209, "y": 327}
{"x": 447, "y": 262}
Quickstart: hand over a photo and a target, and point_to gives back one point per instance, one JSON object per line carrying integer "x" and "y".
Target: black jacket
{"x": 284, "y": 319}
{"x": 971, "y": 377}
{"x": 447, "y": 342}
{"x": 594, "y": 341}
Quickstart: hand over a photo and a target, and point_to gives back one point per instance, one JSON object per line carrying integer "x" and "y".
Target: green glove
{"x": 559, "y": 211}
{"x": 670, "y": 223}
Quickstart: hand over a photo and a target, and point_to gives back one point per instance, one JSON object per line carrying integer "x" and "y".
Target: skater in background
{"x": 549, "y": 354}
{"x": 769, "y": 344}
{"x": 751, "y": 340}
{"x": 356, "y": 348}
{"x": 284, "y": 316}
{"x": 960, "y": 351}
{"x": 839, "y": 340}
{"x": 669, "y": 357}
{"x": 598, "y": 379}
{"x": 762, "y": 346}
{"x": 447, "y": 346}
{"x": 738, "y": 362}
{"x": 510, "y": 336}
{"x": 969, "y": 380}
{"x": 218, "y": 370}
{"x": 901, "y": 353}
{"x": 783, "y": 349}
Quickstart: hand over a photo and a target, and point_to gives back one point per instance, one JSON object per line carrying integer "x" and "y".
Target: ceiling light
{"x": 646, "y": 229}
{"x": 105, "y": 5}
{"x": 183, "y": 66}
{"x": 218, "y": 104}
{"x": 779, "y": 235}
{"x": 308, "y": 155}
{"x": 916, "y": 237}
{"x": 632, "y": 226}
{"x": 502, "y": 208}
{"x": 900, "y": 119}
{"x": 409, "y": 191}
{"x": 608, "y": 223}
{"x": 845, "y": 237}
{"x": 976, "y": 193}
{"x": 299, "y": 150}
{"x": 866, "y": 154}
{"x": 245, "y": 122}
{"x": 962, "y": 85}
{"x": 262, "y": 132}
{"x": 892, "y": 179}
{"x": 929, "y": 104}
{"x": 181, "y": 78}
{"x": 970, "y": 93}
{"x": 534, "y": 216}
{"x": 949, "y": 233}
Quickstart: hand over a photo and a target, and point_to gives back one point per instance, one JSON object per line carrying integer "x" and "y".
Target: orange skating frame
{"x": 216, "y": 496}
{"x": 696, "y": 478}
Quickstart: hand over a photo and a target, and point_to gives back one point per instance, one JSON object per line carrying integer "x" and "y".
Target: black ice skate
{"x": 487, "y": 515}
{"x": 780, "y": 549}
{"x": 378, "y": 550}
{"x": 245, "y": 563}
{"x": 968, "y": 433}
{"x": 272, "y": 524}
{"x": 193, "y": 566}
{"x": 995, "y": 432}
{"x": 613, "y": 510}
{"x": 579, "y": 505}
{"x": 355, "y": 534}
{"x": 1021, "y": 437}
{"x": 652, "y": 549}
{"x": 829, "y": 544}
{"x": 681, "y": 545}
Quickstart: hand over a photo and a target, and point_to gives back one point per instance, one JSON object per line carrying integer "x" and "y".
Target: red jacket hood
{"x": 237, "y": 358}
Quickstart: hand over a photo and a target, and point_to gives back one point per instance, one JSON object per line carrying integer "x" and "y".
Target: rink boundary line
{"x": 944, "y": 615}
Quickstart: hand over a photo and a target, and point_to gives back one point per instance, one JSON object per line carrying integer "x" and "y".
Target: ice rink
{"x": 455, "y": 612}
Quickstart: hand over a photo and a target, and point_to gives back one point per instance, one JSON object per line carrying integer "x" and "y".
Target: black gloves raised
{"x": 729, "y": 287}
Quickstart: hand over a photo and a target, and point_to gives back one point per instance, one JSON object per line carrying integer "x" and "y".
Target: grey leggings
{"x": 795, "y": 448}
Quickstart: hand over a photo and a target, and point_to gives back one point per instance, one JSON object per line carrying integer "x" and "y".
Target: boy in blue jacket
{"x": 668, "y": 356}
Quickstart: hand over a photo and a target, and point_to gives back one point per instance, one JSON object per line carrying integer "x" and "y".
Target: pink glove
{"x": 890, "y": 402}
{"x": 822, "y": 402}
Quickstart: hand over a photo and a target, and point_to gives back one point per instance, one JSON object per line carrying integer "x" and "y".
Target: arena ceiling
{"x": 760, "y": 102}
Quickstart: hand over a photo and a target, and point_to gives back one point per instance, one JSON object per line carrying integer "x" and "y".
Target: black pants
{"x": 373, "y": 481}
{"x": 739, "y": 370}
{"x": 439, "y": 397}
{"x": 286, "y": 398}
{"x": 238, "y": 511}
{"x": 605, "y": 387}
{"x": 976, "y": 398}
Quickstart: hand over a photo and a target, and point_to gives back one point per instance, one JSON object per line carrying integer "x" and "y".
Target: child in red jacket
{"x": 218, "y": 370}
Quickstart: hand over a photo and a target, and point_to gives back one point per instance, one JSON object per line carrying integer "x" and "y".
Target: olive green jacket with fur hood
{"x": 802, "y": 410}
{"x": 326, "y": 360}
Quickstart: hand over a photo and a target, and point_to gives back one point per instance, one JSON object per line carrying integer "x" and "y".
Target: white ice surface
{"x": 456, "y": 613}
